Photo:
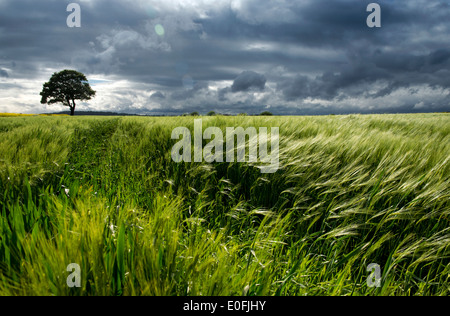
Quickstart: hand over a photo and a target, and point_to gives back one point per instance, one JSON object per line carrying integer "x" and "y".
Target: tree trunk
{"x": 72, "y": 107}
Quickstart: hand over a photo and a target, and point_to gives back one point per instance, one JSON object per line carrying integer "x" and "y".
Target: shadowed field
{"x": 103, "y": 192}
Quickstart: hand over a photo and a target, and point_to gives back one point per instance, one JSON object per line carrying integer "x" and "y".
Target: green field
{"x": 104, "y": 193}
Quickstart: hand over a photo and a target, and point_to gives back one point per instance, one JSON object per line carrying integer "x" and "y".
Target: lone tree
{"x": 65, "y": 87}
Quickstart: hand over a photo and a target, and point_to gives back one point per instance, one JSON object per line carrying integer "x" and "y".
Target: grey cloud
{"x": 387, "y": 71}
{"x": 439, "y": 56}
{"x": 407, "y": 62}
{"x": 3, "y": 73}
{"x": 221, "y": 94}
{"x": 158, "y": 95}
{"x": 247, "y": 80}
{"x": 184, "y": 94}
{"x": 347, "y": 83}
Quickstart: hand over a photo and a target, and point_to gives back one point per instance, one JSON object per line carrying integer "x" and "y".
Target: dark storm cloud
{"x": 245, "y": 81}
{"x": 427, "y": 63}
{"x": 3, "y": 73}
{"x": 248, "y": 80}
{"x": 216, "y": 54}
{"x": 389, "y": 69}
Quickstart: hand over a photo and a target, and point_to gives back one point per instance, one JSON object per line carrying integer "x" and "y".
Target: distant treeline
{"x": 101, "y": 113}
{"x": 94, "y": 113}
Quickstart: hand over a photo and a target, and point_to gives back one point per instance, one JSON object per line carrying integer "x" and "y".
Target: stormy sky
{"x": 168, "y": 57}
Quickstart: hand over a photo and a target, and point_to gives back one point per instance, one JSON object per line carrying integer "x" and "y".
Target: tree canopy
{"x": 65, "y": 87}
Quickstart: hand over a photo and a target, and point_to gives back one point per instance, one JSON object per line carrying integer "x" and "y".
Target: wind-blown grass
{"x": 105, "y": 194}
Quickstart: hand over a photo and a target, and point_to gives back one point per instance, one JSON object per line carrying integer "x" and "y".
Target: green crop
{"x": 103, "y": 192}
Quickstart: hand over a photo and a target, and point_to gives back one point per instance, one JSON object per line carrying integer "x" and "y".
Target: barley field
{"x": 104, "y": 193}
